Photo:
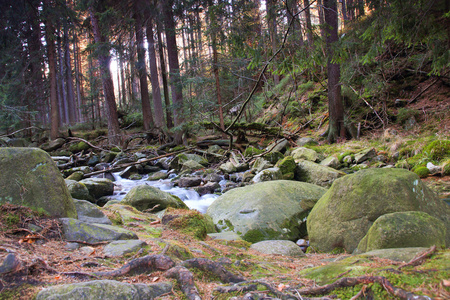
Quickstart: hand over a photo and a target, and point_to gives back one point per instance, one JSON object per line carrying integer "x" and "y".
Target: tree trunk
{"x": 309, "y": 31}
{"x": 296, "y": 31}
{"x": 321, "y": 18}
{"x": 64, "y": 107}
{"x": 175, "y": 78}
{"x": 104, "y": 60}
{"x": 77, "y": 78}
{"x": 51, "y": 54}
{"x": 162, "y": 63}
{"x": 142, "y": 72}
{"x": 69, "y": 80}
{"x": 350, "y": 10}
{"x": 335, "y": 106}
{"x": 272, "y": 25}
{"x": 156, "y": 91}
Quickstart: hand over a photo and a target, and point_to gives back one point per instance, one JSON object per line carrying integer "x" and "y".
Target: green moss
{"x": 24, "y": 291}
{"x": 437, "y": 150}
{"x": 193, "y": 223}
{"x": 446, "y": 167}
{"x": 252, "y": 151}
{"x": 422, "y": 171}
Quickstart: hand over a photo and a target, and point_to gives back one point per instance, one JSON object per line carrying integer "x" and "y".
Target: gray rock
{"x": 267, "y": 175}
{"x": 99, "y": 187}
{"x": 90, "y": 213}
{"x": 143, "y": 197}
{"x": 342, "y": 217}
{"x": 189, "y": 181}
{"x": 311, "y": 172}
{"x": 225, "y": 236}
{"x": 29, "y": 177}
{"x": 260, "y": 164}
{"x": 10, "y": 264}
{"x": 213, "y": 177}
{"x": 403, "y": 229}
{"x": 78, "y": 190}
{"x": 104, "y": 289}
{"x": 306, "y": 141}
{"x": 280, "y": 147}
{"x": 158, "y": 175}
{"x": 281, "y": 247}
{"x": 208, "y": 188}
{"x": 434, "y": 169}
{"x": 191, "y": 165}
{"x": 177, "y": 161}
{"x": 227, "y": 167}
{"x": 71, "y": 246}
{"x": 119, "y": 248}
{"x": 75, "y": 230}
{"x": 365, "y": 155}
{"x": 330, "y": 161}
{"x": 53, "y": 145}
{"x": 266, "y": 211}
{"x": 128, "y": 171}
{"x": 397, "y": 254}
{"x": 302, "y": 153}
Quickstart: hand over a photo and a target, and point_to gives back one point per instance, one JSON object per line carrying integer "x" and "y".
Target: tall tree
{"x": 142, "y": 68}
{"x": 174, "y": 66}
{"x": 162, "y": 63}
{"x": 272, "y": 25}
{"x": 335, "y": 106}
{"x": 104, "y": 60}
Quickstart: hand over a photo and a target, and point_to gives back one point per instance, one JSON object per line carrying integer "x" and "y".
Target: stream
{"x": 192, "y": 199}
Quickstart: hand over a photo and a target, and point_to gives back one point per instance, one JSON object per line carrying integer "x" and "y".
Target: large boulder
{"x": 144, "y": 197}
{"x": 30, "y": 177}
{"x": 302, "y": 153}
{"x": 177, "y": 161}
{"x": 90, "y": 213}
{"x": 311, "y": 172}
{"x": 404, "y": 229}
{"x": 98, "y": 187}
{"x": 104, "y": 289}
{"x": 342, "y": 217}
{"x": 78, "y": 190}
{"x": 272, "y": 210}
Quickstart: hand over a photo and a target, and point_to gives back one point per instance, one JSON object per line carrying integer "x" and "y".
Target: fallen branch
{"x": 116, "y": 168}
{"x": 418, "y": 259}
{"x": 23, "y": 129}
{"x": 186, "y": 281}
{"x": 349, "y": 282}
{"x": 141, "y": 265}
{"x": 214, "y": 268}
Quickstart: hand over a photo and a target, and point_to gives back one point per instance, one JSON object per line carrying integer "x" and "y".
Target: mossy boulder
{"x": 98, "y": 187}
{"x": 268, "y": 175}
{"x": 78, "y": 147}
{"x": 279, "y": 247}
{"x": 303, "y": 153}
{"x": 273, "y": 157}
{"x": 78, "y": 190}
{"x": 342, "y": 217}
{"x": 105, "y": 289}
{"x": 177, "y": 161}
{"x": 404, "y": 229}
{"x": 29, "y": 177}
{"x": 272, "y": 210}
{"x": 252, "y": 151}
{"x": 311, "y": 172}
{"x": 90, "y": 213}
{"x": 144, "y": 197}
{"x": 287, "y": 167}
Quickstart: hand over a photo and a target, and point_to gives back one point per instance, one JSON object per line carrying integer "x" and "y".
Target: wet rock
{"x": 189, "y": 181}
{"x": 78, "y": 190}
{"x": 158, "y": 175}
{"x": 144, "y": 197}
{"x": 208, "y": 188}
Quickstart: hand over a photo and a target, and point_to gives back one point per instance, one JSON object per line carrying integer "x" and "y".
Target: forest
{"x": 172, "y": 67}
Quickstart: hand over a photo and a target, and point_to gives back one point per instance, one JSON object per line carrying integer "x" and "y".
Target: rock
{"x": 267, "y": 175}
{"x": 330, "y": 161}
{"x": 397, "y": 254}
{"x": 215, "y": 149}
{"x": 78, "y": 190}
{"x": 104, "y": 289}
{"x": 90, "y": 213}
{"x": 281, "y": 146}
{"x": 306, "y": 141}
{"x": 403, "y": 229}
{"x": 281, "y": 247}
{"x": 302, "y": 153}
{"x": 348, "y": 159}
{"x": 365, "y": 155}
{"x": 303, "y": 244}
{"x": 78, "y": 147}
{"x": 143, "y": 197}
{"x": 93, "y": 160}
{"x": 108, "y": 157}
{"x": 273, "y": 157}
{"x": 213, "y": 177}
{"x": 77, "y": 176}
{"x": 18, "y": 142}
{"x": 434, "y": 169}
{"x": 189, "y": 181}
{"x": 71, "y": 246}
{"x": 53, "y": 145}
{"x": 177, "y": 161}
{"x": 260, "y": 164}
{"x": 158, "y": 175}
{"x": 84, "y": 169}
{"x": 227, "y": 168}
{"x": 266, "y": 211}
{"x": 30, "y": 177}
{"x": 342, "y": 217}
{"x": 191, "y": 165}
{"x": 225, "y": 236}
{"x": 122, "y": 247}
{"x": 287, "y": 167}
{"x": 126, "y": 173}
{"x": 311, "y": 172}
{"x": 125, "y": 214}
{"x": 410, "y": 124}
{"x": 98, "y": 187}
{"x": 252, "y": 151}
{"x": 75, "y": 230}
{"x": 10, "y": 264}
{"x": 208, "y": 188}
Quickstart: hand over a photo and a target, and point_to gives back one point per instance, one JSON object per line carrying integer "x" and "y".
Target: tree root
{"x": 141, "y": 265}
{"x": 419, "y": 259}
{"x": 214, "y": 268}
{"x": 186, "y": 281}
{"x": 348, "y": 282}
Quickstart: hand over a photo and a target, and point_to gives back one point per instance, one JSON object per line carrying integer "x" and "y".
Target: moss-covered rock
{"x": 266, "y": 211}
{"x": 98, "y": 187}
{"x": 190, "y": 222}
{"x": 177, "y": 161}
{"x": 144, "y": 197}
{"x": 437, "y": 150}
{"x": 279, "y": 247}
{"x": 78, "y": 147}
{"x": 404, "y": 229}
{"x": 90, "y": 213}
{"x": 268, "y": 174}
{"x": 273, "y": 157}
{"x": 78, "y": 190}
{"x": 29, "y": 177}
{"x": 287, "y": 167}
{"x": 252, "y": 151}
{"x": 311, "y": 172}
{"x": 342, "y": 217}
{"x": 302, "y": 153}
{"x": 422, "y": 171}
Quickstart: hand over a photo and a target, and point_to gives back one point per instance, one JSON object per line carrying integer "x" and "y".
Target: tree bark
{"x": 156, "y": 90}
{"x": 104, "y": 59}
{"x": 174, "y": 66}
{"x": 321, "y": 18}
{"x": 335, "y": 106}
{"x": 162, "y": 63}
{"x": 51, "y": 54}
{"x": 142, "y": 73}
{"x": 309, "y": 31}
{"x": 272, "y": 25}
{"x": 69, "y": 79}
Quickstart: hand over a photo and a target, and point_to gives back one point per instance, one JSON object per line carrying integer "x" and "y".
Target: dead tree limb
{"x": 141, "y": 265}
{"x": 185, "y": 280}
{"x": 214, "y": 268}
{"x": 352, "y": 281}
{"x": 418, "y": 259}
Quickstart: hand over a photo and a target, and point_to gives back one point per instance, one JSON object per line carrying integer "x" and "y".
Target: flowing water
{"x": 192, "y": 199}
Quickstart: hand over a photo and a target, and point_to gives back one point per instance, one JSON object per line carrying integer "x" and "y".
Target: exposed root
{"x": 214, "y": 268}
{"x": 419, "y": 259}
{"x": 141, "y": 265}
{"x": 186, "y": 281}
